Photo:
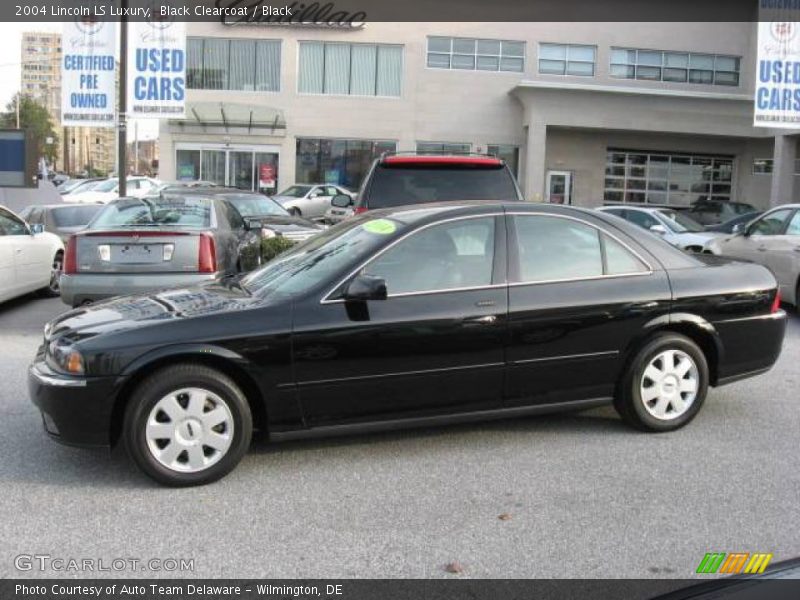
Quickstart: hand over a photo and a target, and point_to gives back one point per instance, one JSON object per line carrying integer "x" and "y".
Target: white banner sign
{"x": 157, "y": 69}
{"x": 88, "y": 74}
{"x": 777, "y": 100}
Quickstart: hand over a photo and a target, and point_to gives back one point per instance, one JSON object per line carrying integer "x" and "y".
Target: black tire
{"x": 629, "y": 400}
{"x": 53, "y": 289}
{"x": 162, "y": 383}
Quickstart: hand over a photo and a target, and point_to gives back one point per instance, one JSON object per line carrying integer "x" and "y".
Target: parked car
{"x": 141, "y": 244}
{"x": 30, "y": 258}
{"x": 772, "y": 240}
{"x": 735, "y": 223}
{"x": 273, "y": 218}
{"x": 74, "y": 186}
{"x": 108, "y": 190}
{"x": 405, "y": 316}
{"x": 672, "y": 225}
{"x": 310, "y": 200}
{"x": 410, "y": 178}
{"x": 59, "y": 178}
{"x": 61, "y": 219}
{"x": 714, "y": 212}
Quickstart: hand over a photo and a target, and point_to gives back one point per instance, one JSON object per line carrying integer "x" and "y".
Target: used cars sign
{"x": 777, "y": 91}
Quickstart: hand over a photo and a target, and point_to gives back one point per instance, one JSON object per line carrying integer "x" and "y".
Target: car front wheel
{"x": 53, "y": 289}
{"x": 187, "y": 425}
{"x": 665, "y": 385}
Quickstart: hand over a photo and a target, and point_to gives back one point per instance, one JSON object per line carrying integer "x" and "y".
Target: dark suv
{"x": 400, "y": 179}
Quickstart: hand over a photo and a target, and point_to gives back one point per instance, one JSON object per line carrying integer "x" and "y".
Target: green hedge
{"x": 270, "y": 248}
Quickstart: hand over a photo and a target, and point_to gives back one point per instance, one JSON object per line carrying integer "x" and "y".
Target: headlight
{"x": 64, "y": 358}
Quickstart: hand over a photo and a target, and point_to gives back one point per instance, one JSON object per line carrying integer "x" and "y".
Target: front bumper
{"x": 75, "y": 410}
{"x": 90, "y": 287}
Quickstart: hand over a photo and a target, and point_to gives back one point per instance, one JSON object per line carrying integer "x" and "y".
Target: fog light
{"x": 169, "y": 249}
{"x": 50, "y": 425}
{"x": 104, "y": 251}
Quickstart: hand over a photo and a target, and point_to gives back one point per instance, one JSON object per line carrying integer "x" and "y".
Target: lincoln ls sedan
{"x": 398, "y": 317}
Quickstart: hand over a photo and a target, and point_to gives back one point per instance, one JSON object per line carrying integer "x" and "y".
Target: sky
{"x": 10, "y": 37}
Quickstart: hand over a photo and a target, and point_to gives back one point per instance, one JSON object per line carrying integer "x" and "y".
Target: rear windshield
{"x": 182, "y": 211}
{"x": 74, "y": 216}
{"x": 401, "y": 185}
{"x": 253, "y": 205}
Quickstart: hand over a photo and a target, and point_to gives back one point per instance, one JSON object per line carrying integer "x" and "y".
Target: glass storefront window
{"x": 187, "y": 165}
{"x": 342, "y": 162}
{"x": 663, "y": 178}
{"x": 244, "y": 169}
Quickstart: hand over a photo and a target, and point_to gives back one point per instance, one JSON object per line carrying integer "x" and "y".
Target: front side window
{"x": 350, "y": 69}
{"x": 11, "y": 225}
{"x": 771, "y": 224}
{"x": 794, "y": 225}
{"x": 443, "y": 257}
{"x": 567, "y": 59}
{"x": 681, "y": 223}
{"x": 640, "y": 218}
{"x": 557, "y": 249}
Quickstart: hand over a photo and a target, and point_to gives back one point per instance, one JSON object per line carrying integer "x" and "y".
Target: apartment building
{"x": 585, "y": 113}
{"x": 81, "y": 148}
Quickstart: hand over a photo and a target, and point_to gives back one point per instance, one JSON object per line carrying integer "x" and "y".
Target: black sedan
{"x": 421, "y": 314}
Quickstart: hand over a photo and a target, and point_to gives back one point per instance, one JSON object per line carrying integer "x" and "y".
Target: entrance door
{"x": 240, "y": 170}
{"x": 559, "y": 187}
{"x": 212, "y": 167}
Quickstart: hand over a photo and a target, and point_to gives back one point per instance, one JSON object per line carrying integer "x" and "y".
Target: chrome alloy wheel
{"x": 669, "y": 384}
{"x": 189, "y": 430}
{"x": 55, "y": 275}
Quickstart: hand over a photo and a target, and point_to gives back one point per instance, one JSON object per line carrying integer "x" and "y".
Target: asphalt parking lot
{"x": 583, "y": 495}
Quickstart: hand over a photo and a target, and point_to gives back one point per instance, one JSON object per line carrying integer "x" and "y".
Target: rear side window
{"x": 401, "y": 185}
{"x": 554, "y": 249}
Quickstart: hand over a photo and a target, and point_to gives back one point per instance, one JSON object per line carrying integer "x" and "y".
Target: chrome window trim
{"x": 327, "y": 300}
{"x": 647, "y": 265}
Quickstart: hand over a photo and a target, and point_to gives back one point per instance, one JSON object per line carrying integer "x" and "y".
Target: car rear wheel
{"x": 665, "y": 385}
{"x": 187, "y": 425}
{"x": 53, "y": 289}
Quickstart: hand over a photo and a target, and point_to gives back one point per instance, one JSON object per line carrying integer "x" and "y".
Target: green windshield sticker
{"x": 380, "y": 226}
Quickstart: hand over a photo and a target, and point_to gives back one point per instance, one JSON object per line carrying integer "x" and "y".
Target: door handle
{"x": 487, "y": 320}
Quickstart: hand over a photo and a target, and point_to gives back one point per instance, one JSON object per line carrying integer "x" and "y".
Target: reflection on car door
{"x": 31, "y": 253}
{"x": 435, "y": 345}
{"x": 761, "y": 239}
{"x": 577, "y": 297}
{"x": 783, "y": 257}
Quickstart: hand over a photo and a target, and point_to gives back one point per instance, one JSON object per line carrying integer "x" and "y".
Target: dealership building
{"x": 584, "y": 113}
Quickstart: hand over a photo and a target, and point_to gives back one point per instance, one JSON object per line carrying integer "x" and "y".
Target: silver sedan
{"x": 309, "y": 200}
{"x": 772, "y": 240}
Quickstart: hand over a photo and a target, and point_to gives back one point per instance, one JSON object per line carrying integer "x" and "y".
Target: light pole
{"x": 122, "y": 138}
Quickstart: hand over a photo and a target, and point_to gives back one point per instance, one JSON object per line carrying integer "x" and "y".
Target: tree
{"x": 35, "y": 118}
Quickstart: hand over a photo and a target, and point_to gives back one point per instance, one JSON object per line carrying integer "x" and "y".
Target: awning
{"x": 231, "y": 115}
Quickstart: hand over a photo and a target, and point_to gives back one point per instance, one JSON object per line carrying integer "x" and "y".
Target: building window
{"x": 662, "y": 178}
{"x": 350, "y": 69}
{"x": 567, "y": 59}
{"x": 510, "y": 154}
{"x": 765, "y": 166}
{"x": 237, "y": 65}
{"x": 476, "y": 55}
{"x": 342, "y": 162}
{"x": 443, "y": 148}
{"x": 678, "y": 67}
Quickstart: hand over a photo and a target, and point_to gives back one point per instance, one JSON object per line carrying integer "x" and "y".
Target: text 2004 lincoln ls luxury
{"x": 406, "y": 316}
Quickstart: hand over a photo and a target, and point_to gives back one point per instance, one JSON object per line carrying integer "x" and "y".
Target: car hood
{"x": 282, "y": 223}
{"x": 128, "y": 312}
{"x": 700, "y": 237}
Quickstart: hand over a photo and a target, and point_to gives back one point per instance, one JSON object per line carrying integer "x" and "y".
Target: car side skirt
{"x": 432, "y": 421}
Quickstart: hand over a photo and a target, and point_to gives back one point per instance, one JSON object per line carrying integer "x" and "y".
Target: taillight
{"x": 207, "y": 255}
{"x": 360, "y": 210}
{"x": 776, "y": 303}
{"x": 70, "y": 266}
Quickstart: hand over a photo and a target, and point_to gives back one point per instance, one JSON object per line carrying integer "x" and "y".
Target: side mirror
{"x": 659, "y": 229}
{"x": 341, "y": 201}
{"x": 37, "y": 228}
{"x": 366, "y": 287}
{"x": 738, "y": 228}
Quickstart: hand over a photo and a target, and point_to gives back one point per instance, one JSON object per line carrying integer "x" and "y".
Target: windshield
{"x": 74, "y": 216}
{"x": 106, "y": 186}
{"x": 397, "y": 186}
{"x": 255, "y": 205}
{"x": 680, "y": 223}
{"x": 296, "y": 191}
{"x": 185, "y": 211}
{"x": 320, "y": 259}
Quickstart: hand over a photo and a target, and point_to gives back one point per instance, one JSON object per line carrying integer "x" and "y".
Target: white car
{"x": 108, "y": 190}
{"x": 30, "y": 259}
{"x": 310, "y": 200}
{"x": 674, "y": 226}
